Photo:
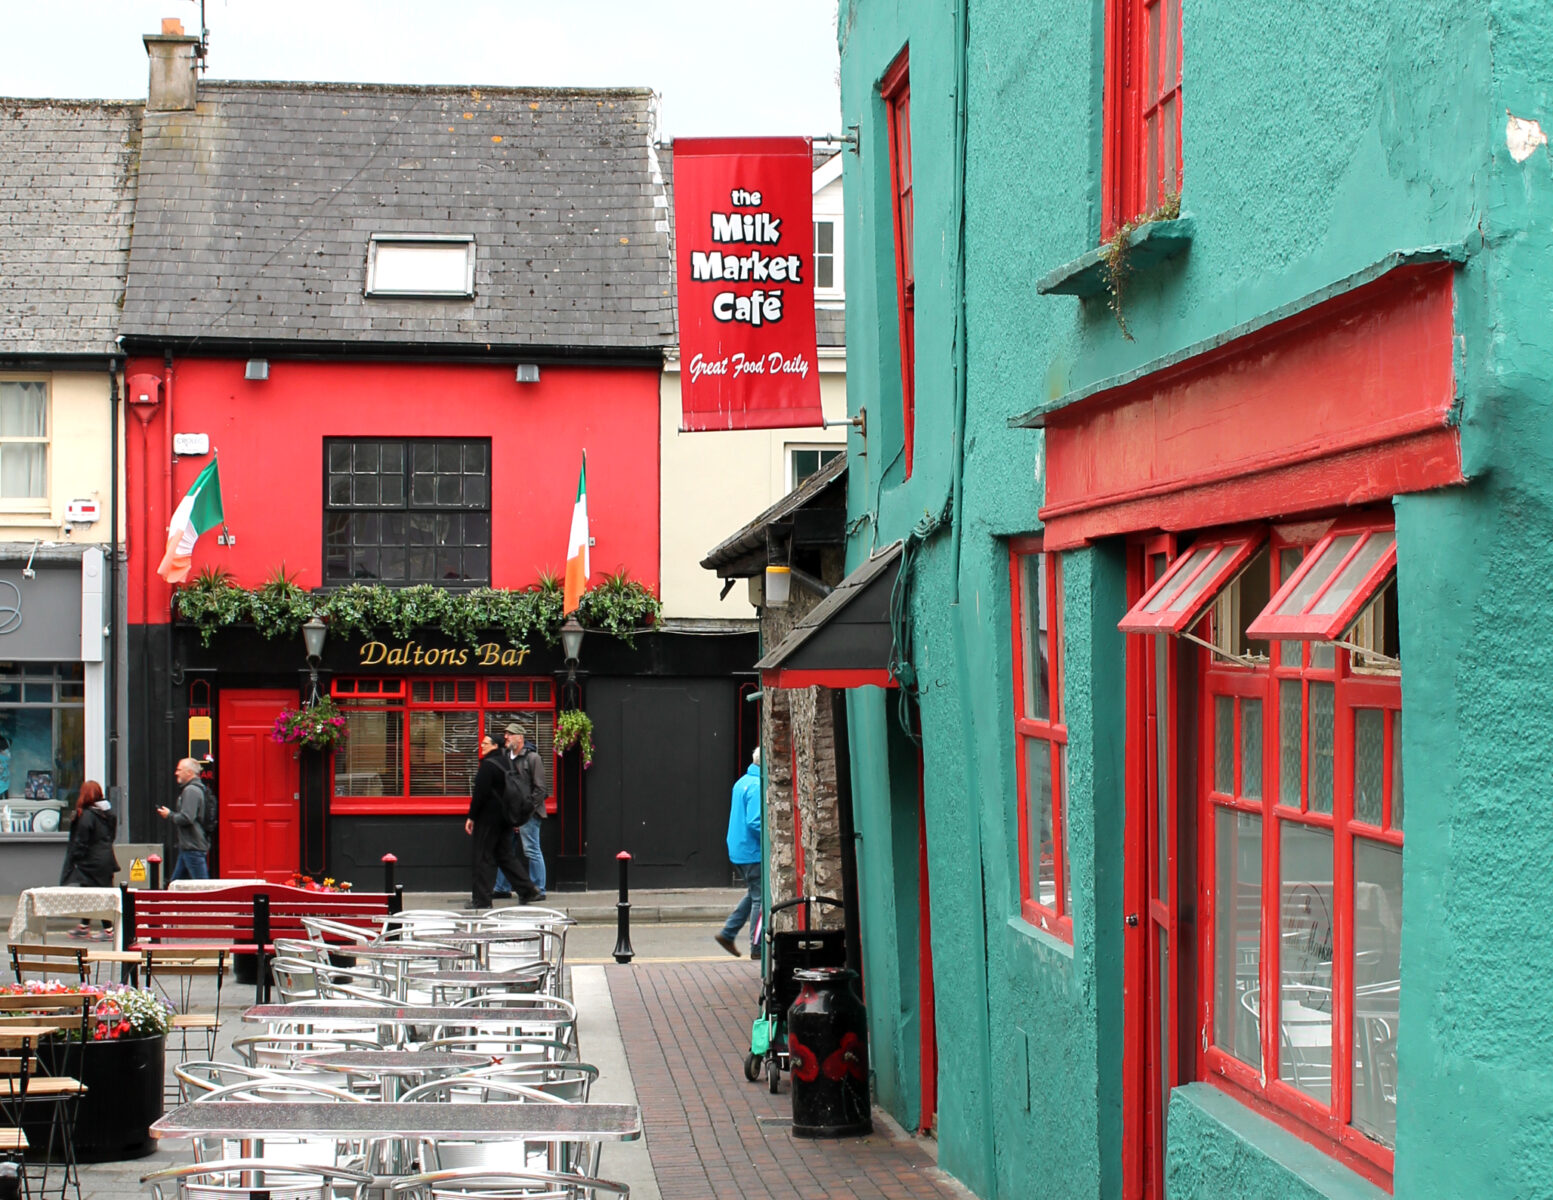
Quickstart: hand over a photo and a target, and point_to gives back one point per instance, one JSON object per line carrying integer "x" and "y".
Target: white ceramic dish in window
{"x": 46, "y": 821}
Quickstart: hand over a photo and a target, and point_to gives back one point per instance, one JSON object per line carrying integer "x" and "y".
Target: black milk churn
{"x": 827, "y": 1045}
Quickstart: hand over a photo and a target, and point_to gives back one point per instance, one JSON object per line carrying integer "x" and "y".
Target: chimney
{"x": 174, "y": 68}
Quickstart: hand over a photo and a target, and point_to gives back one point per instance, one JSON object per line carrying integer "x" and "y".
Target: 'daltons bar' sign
{"x": 744, "y": 257}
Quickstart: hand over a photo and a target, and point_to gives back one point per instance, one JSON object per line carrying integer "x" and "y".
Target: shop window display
{"x": 42, "y": 745}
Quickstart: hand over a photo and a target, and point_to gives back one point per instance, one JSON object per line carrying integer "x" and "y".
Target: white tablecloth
{"x": 211, "y": 885}
{"x": 36, "y": 905}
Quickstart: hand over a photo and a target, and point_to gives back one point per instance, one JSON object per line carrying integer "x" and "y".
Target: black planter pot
{"x": 123, "y": 1097}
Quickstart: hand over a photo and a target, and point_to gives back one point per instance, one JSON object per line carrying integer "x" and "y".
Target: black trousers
{"x": 493, "y": 848}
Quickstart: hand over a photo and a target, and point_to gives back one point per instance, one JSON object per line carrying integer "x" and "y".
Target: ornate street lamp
{"x": 314, "y": 631}
{"x": 571, "y": 646}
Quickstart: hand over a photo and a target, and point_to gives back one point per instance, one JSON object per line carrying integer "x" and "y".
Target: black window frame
{"x": 435, "y": 514}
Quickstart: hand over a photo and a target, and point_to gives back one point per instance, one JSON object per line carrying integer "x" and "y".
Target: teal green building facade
{"x": 1364, "y": 248}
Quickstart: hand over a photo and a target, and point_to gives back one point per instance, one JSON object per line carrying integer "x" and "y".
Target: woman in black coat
{"x": 89, "y": 858}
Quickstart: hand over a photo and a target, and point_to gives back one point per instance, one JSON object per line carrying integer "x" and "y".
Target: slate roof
{"x": 255, "y": 213}
{"x": 743, "y": 552}
{"x": 67, "y": 198}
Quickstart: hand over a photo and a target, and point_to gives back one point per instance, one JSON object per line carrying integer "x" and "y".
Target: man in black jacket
{"x": 490, "y": 823}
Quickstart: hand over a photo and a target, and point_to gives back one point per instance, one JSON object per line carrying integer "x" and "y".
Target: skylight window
{"x": 429, "y": 265}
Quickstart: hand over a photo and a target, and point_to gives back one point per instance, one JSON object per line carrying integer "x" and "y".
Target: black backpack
{"x": 209, "y": 812}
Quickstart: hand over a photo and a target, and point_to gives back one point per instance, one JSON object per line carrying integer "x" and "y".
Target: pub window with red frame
{"x": 895, "y": 90}
{"x": 412, "y": 745}
{"x": 1142, "y": 108}
{"x": 1041, "y": 739}
{"x": 1301, "y": 831}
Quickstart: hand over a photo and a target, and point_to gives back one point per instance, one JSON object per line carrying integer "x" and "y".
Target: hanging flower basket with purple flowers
{"x": 318, "y": 725}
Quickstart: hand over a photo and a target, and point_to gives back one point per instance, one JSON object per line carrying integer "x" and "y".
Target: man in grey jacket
{"x": 192, "y": 846}
{"x": 525, "y": 761}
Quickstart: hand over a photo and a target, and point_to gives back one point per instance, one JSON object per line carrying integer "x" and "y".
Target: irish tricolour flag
{"x": 199, "y": 510}
{"x": 577, "y": 544}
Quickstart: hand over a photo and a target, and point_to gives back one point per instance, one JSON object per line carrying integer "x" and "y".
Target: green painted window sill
{"x": 1147, "y": 247}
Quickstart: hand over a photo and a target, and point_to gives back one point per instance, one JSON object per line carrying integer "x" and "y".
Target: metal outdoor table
{"x": 393, "y": 960}
{"x": 521, "y": 979}
{"x": 391, "y": 1066}
{"x": 483, "y": 939}
{"x": 411, "y": 1014}
{"x": 528, "y": 1122}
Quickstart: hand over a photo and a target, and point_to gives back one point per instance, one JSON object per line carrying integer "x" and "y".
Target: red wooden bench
{"x": 246, "y": 918}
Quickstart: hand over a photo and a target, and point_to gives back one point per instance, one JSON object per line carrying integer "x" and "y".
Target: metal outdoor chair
{"x": 258, "y": 1179}
{"x": 505, "y": 1185}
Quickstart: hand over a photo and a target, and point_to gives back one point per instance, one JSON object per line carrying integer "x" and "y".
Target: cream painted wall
{"x": 713, "y": 483}
{"x": 79, "y": 461}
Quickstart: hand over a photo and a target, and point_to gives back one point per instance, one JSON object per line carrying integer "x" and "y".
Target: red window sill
{"x": 1046, "y": 920}
{"x": 1303, "y": 1118}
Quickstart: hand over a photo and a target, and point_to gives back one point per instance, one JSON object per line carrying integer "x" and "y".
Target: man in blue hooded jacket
{"x": 744, "y": 853}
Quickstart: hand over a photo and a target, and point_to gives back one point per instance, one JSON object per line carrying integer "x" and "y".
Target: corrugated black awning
{"x": 845, "y": 641}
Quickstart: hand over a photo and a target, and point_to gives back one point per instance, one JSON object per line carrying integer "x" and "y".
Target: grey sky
{"x": 735, "y": 67}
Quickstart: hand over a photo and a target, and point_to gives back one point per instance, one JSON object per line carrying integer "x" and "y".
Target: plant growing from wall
{"x": 1116, "y": 253}
{"x": 573, "y": 727}
{"x": 277, "y": 608}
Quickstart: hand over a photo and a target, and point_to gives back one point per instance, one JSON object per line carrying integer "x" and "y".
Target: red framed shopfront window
{"x": 1337, "y": 579}
{"x": 1142, "y": 163}
{"x": 895, "y": 90}
{"x": 1300, "y": 880}
{"x": 1041, "y": 738}
{"x": 411, "y": 744}
{"x": 1191, "y": 583}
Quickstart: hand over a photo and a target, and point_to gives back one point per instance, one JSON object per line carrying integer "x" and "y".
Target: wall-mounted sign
{"x": 191, "y": 443}
{"x": 413, "y": 654}
{"x": 83, "y": 511}
{"x": 744, "y": 261}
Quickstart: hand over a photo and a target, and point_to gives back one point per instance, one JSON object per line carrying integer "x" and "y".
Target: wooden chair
{"x": 22, "y": 1020}
{"x": 174, "y": 970}
{"x": 42, "y": 961}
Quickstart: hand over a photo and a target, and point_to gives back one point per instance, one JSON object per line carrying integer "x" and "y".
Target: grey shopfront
{"x": 53, "y": 701}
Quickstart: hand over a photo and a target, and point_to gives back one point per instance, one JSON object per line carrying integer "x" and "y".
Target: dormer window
{"x": 429, "y": 265}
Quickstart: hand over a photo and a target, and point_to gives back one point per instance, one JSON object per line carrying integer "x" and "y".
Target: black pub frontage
{"x": 670, "y": 730}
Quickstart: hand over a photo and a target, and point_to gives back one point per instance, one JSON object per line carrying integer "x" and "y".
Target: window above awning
{"x": 845, "y": 641}
{"x": 1181, "y": 596}
{"x": 1342, "y": 573}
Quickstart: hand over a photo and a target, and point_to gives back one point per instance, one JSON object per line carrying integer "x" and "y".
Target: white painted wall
{"x": 79, "y": 461}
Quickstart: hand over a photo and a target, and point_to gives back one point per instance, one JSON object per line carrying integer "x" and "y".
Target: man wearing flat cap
{"x": 528, "y": 768}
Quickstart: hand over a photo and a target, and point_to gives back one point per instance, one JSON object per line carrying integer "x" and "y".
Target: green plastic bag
{"x": 760, "y": 1036}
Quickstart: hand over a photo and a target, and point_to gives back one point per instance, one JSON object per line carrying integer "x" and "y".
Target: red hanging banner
{"x": 744, "y": 258}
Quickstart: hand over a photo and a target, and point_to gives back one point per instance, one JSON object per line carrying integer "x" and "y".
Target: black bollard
{"x": 154, "y": 871}
{"x": 623, "y": 951}
{"x": 261, "y": 938}
{"x": 389, "y": 862}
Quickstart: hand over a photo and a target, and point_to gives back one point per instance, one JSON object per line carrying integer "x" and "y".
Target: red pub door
{"x": 259, "y": 802}
{"x": 1152, "y": 911}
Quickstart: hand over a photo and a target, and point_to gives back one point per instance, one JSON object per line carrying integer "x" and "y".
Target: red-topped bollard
{"x": 154, "y": 871}
{"x": 389, "y": 862}
{"x": 623, "y": 951}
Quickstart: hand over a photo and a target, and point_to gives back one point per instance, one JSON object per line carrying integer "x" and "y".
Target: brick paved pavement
{"x": 712, "y": 1134}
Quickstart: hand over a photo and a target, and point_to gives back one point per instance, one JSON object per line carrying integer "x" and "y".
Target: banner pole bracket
{"x": 859, "y": 422}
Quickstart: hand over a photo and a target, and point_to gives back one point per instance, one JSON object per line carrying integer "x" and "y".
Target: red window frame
{"x": 895, "y": 90}
{"x": 1233, "y": 688}
{"x": 1192, "y": 583}
{"x": 1333, "y": 584}
{"x": 1052, "y": 730}
{"x": 399, "y": 692}
{"x": 1142, "y": 109}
